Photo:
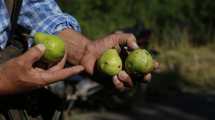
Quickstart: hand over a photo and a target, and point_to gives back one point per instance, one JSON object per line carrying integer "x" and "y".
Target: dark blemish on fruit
{"x": 147, "y": 53}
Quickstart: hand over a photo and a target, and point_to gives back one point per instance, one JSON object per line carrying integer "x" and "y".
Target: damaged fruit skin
{"x": 55, "y": 48}
{"x": 110, "y": 62}
{"x": 139, "y": 61}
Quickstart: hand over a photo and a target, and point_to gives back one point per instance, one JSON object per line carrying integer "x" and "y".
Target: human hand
{"x": 75, "y": 44}
{"x": 18, "y": 74}
{"x": 95, "y": 49}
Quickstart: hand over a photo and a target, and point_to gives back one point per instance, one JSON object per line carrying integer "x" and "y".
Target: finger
{"x": 34, "y": 54}
{"x": 117, "y": 47}
{"x": 118, "y": 84}
{"x": 60, "y": 65}
{"x": 147, "y": 77}
{"x": 128, "y": 39}
{"x": 125, "y": 78}
{"x": 54, "y": 76}
{"x": 89, "y": 62}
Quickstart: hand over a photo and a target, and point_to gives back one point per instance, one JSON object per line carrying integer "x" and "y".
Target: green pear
{"x": 150, "y": 63}
{"x": 39, "y": 37}
{"x": 110, "y": 62}
{"x": 55, "y": 48}
{"x": 139, "y": 61}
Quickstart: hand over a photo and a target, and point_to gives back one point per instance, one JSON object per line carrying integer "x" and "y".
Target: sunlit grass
{"x": 194, "y": 65}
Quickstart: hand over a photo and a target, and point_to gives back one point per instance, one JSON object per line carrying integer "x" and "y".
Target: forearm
{"x": 75, "y": 44}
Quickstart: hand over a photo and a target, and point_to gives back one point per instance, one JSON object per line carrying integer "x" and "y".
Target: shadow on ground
{"x": 159, "y": 102}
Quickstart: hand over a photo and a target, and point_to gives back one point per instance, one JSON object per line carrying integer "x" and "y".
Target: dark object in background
{"x": 38, "y": 104}
{"x": 142, "y": 35}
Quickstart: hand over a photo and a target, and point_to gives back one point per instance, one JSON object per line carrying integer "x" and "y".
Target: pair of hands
{"x": 18, "y": 74}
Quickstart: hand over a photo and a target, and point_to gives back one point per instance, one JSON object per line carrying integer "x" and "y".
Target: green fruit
{"x": 55, "y": 47}
{"x": 139, "y": 61}
{"x": 110, "y": 62}
{"x": 39, "y": 37}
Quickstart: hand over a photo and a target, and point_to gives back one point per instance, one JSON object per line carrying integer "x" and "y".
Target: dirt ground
{"x": 177, "y": 107}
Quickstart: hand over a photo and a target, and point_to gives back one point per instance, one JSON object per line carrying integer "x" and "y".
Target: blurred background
{"x": 180, "y": 33}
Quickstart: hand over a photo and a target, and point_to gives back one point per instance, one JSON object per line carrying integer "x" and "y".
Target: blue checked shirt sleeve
{"x": 45, "y": 16}
{"x": 4, "y": 23}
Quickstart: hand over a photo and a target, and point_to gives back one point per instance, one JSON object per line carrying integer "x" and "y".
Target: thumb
{"x": 129, "y": 39}
{"x": 34, "y": 54}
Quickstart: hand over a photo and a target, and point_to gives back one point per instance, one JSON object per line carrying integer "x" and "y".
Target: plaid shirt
{"x": 38, "y": 16}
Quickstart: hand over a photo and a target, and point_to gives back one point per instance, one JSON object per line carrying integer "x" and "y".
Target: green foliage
{"x": 99, "y": 17}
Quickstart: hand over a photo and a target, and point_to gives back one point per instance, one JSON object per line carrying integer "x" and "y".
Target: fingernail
{"x": 156, "y": 65}
{"x": 80, "y": 68}
{"x": 116, "y": 80}
{"x": 134, "y": 45}
{"x": 148, "y": 77}
{"x": 123, "y": 75}
{"x": 41, "y": 47}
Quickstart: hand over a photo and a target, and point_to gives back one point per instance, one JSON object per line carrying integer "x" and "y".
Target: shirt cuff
{"x": 56, "y": 23}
